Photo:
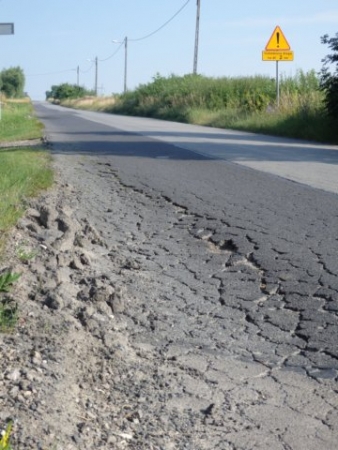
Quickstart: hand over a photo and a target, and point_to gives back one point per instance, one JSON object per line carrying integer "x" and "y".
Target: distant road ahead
{"x": 313, "y": 164}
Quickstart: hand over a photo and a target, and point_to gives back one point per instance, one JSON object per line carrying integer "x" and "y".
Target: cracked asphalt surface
{"x": 233, "y": 283}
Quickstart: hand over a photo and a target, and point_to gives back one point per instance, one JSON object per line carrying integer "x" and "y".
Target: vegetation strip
{"x": 18, "y": 121}
{"x": 24, "y": 170}
{"x": 23, "y": 173}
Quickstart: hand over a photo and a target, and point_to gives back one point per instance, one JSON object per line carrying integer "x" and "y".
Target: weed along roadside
{"x": 8, "y": 306}
{"x": 25, "y": 171}
{"x": 5, "y": 438}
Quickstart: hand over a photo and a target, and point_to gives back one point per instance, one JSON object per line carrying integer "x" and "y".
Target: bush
{"x": 329, "y": 81}
{"x": 177, "y": 96}
{"x": 67, "y": 91}
{"x": 13, "y": 82}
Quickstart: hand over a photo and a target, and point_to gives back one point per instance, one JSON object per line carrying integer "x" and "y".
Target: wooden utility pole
{"x": 96, "y": 75}
{"x": 125, "y": 63}
{"x": 197, "y": 36}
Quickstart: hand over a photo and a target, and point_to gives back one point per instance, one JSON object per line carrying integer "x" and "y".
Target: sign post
{"x": 5, "y": 28}
{"x": 277, "y": 49}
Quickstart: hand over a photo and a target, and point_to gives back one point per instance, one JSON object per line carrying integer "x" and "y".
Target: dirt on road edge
{"x": 58, "y": 365}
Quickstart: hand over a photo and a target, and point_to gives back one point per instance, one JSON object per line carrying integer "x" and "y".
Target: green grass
{"x": 18, "y": 122}
{"x": 308, "y": 122}
{"x": 8, "y": 315}
{"x": 25, "y": 253}
{"x": 24, "y": 173}
{"x": 5, "y": 438}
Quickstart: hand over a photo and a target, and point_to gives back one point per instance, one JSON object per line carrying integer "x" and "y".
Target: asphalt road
{"x": 312, "y": 164}
{"x": 288, "y": 230}
{"x": 277, "y": 235}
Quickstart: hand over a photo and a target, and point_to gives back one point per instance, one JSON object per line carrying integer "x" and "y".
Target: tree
{"x": 328, "y": 79}
{"x": 66, "y": 90}
{"x": 13, "y": 82}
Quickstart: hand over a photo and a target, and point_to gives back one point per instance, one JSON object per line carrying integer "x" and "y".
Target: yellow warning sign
{"x": 284, "y": 55}
{"x": 278, "y": 41}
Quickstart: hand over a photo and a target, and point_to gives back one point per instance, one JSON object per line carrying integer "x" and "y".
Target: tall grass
{"x": 175, "y": 96}
{"x": 18, "y": 121}
{"x": 24, "y": 172}
{"x": 90, "y": 103}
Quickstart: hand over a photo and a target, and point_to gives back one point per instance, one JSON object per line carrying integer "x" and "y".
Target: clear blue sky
{"x": 53, "y": 37}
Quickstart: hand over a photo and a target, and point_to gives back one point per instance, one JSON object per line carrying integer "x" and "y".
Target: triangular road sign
{"x": 277, "y": 41}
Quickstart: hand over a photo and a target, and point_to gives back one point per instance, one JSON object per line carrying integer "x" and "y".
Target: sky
{"x": 57, "y": 41}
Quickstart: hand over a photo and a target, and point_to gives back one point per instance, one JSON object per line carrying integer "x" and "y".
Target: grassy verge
{"x": 18, "y": 121}
{"x": 246, "y": 103}
{"x": 24, "y": 173}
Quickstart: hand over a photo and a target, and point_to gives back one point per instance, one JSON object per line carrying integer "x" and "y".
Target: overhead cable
{"x": 50, "y": 73}
{"x": 111, "y": 56}
{"x": 90, "y": 68}
{"x": 162, "y": 26}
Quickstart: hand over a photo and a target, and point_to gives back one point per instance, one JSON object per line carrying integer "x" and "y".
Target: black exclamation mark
{"x": 277, "y": 39}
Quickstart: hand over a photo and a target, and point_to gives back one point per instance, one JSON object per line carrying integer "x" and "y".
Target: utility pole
{"x": 197, "y": 35}
{"x": 125, "y": 63}
{"x": 125, "y": 41}
{"x": 78, "y": 75}
{"x": 96, "y": 71}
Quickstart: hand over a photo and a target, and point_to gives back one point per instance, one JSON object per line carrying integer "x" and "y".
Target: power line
{"x": 49, "y": 73}
{"x": 162, "y": 26}
{"x": 111, "y": 56}
{"x": 90, "y": 68}
{"x": 124, "y": 42}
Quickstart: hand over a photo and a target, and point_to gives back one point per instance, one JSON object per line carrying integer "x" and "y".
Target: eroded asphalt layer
{"x": 173, "y": 332}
